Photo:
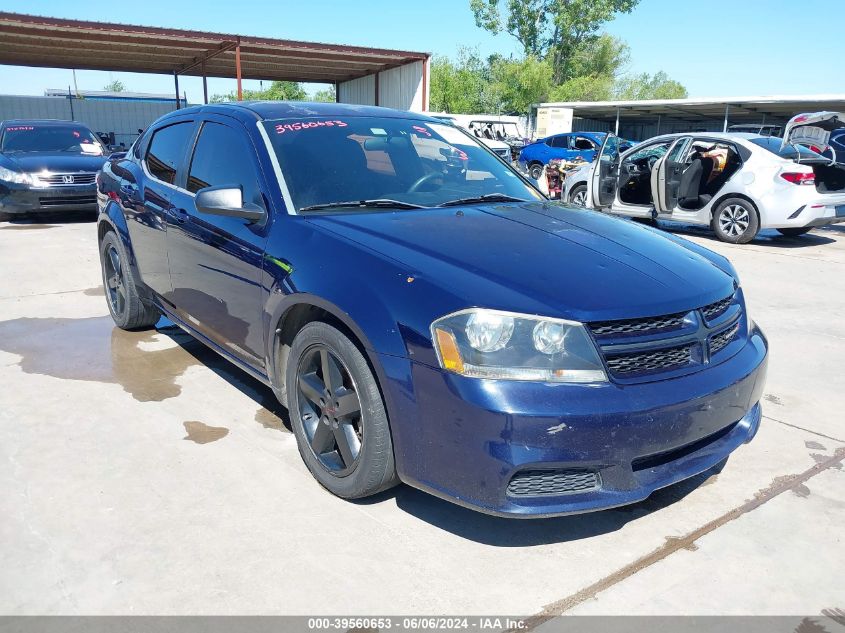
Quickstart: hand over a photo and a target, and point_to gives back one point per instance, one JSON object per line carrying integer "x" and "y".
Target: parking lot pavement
{"x": 140, "y": 474}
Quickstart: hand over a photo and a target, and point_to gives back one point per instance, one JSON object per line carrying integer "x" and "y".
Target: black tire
{"x": 577, "y": 192}
{"x": 327, "y": 433}
{"x": 795, "y": 232}
{"x": 735, "y": 221}
{"x": 126, "y": 307}
{"x": 535, "y": 170}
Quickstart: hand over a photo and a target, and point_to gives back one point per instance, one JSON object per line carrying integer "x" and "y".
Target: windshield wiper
{"x": 490, "y": 197}
{"x": 377, "y": 203}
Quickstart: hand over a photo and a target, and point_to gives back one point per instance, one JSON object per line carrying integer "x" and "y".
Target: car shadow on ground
{"x": 766, "y": 237}
{"x": 48, "y": 220}
{"x": 505, "y": 532}
{"x": 270, "y": 413}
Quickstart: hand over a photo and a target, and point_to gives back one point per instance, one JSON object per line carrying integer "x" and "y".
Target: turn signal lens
{"x": 799, "y": 178}
{"x": 450, "y": 356}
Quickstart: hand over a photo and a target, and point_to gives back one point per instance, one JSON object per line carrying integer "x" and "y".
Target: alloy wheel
{"x": 115, "y": 282}
{"x": 330, "y": 410}
{"x": 734, "y": 220}
{"x": 579, "y": 199}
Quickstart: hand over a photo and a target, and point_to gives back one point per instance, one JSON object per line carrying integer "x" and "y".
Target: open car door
{"x": 813, "y": 129}
{"x": 666, "y": 176}
{"x": 605, "y": 176}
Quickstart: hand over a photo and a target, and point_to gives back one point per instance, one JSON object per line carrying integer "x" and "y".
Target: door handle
{"x": 180, "y": 216}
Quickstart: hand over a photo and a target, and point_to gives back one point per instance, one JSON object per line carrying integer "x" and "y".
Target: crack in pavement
{"x": 801, "y": 428}
{"x": 775, "y": 489}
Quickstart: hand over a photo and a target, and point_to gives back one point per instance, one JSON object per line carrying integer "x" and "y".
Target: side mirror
{"x": 228, "y": 201}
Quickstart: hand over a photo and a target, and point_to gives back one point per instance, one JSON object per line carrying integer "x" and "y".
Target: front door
{"x": 216, "y": 261}
{"x": 664, "y": 187}
{"x": 605, "y": 173}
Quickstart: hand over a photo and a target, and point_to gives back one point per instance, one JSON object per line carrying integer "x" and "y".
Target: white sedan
{"x": 735, "y": 183}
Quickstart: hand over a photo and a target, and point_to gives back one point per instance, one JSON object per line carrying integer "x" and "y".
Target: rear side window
{"x": 560, "y": 141}
{"x": 167, "y": 147}
{"x": 223, "y": 156}
{"x": 790, "y": 151}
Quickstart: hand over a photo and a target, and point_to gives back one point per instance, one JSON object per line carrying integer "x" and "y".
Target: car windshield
{"x": 791, "y": 152}
{"x": 74, "y": 139}
{"x": 328, "y": 161}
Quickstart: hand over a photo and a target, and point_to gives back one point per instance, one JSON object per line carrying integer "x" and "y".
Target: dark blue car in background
{"x": 48, "y": 165}
{"x": 425, "y": 315}
{"x": 569, "y": 146}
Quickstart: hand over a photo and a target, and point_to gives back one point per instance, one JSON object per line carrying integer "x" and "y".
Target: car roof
{"x": 41, "y": 122}
{"x": 269, "y": 110}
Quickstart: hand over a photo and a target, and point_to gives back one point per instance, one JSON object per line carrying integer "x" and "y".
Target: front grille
{"x": 536, "y": 483}
{"x": 646, "y": 325}
{"x": 59, "y": 180}
{"x": 718, "y": 341}
{"x": 670, "y": 358}
{"x": 67, "y": 201}
{"x": 711, "y": 311}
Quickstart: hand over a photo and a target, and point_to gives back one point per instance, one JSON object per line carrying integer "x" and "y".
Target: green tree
{"x": 114, "y": 86}
{"x": 553, "y": 29}
{"x": 516, "y": 84}
{"x": 327, "y": 95}
{"x": 585, "y": 88}
{"x": 604, "y": 56}
{"x": 278, "y": 91}
{"x": 645, "y": 86}
{"x": 462, "y": 86}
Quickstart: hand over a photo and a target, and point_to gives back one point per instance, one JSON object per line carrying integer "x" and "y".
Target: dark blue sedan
{"x": 423, "y": 312}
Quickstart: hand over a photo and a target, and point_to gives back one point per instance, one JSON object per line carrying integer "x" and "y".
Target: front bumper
{"x": 465, "y": 439}
{"x": 15, "y": 199}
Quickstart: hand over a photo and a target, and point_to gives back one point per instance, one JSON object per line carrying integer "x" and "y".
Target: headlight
{"x": 14, "y": 176}
{"x": 493, "y": 344}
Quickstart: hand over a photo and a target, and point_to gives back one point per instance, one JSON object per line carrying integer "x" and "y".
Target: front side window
{"x": 326, "y": 161}
{"x": 583, "y": 143}
{"x": 167, "y": 147}
{"x": 655, "y": 150}
{"x": 223, "y": 157}
{"x": 70, "y": 138}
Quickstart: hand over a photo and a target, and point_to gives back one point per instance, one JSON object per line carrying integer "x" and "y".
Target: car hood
{"x": 58, "y": 162}
{"x": 541, "y": 258}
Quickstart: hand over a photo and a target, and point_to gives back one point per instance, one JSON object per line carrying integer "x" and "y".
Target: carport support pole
{"x": 617, "y": 122}
{"x": 238, "y": 69}
{"x": 176, "y": 81}
{"x": 658, "y": 125}
{"x": 204, "y": 85}
{"x": 727, "y": 110}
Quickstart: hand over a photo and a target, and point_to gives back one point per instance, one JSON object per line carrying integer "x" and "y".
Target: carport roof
{"x": 741, "y": 108}
{"x": 30, "y": 40}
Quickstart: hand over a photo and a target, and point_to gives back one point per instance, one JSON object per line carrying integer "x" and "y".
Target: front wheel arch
{"x": 292, "y": 316}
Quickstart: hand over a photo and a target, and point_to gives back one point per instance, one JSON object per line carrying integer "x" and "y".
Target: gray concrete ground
{"x": 140, "y": 474}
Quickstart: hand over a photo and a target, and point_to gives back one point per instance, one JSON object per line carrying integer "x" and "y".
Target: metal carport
{"x": 639, "y": 120}
{"x": 371, "y": 76}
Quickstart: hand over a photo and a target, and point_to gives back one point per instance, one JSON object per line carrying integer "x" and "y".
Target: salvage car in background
{"x": 48, "y": 165}
{"x": 566, "y": 147}
{"x": 735, "y": 183}
{"x": 402, "y": 292}
{"x": 499, "y": 147}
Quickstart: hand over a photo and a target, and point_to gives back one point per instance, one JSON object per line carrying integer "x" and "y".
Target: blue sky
{"x": 715, "y": 48}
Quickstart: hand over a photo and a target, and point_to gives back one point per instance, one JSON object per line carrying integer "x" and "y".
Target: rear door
{"x": 151, "y": 200}
{"x": 605, "y": 175}
{"x": 216, "y": 261}
{"x": 666, "y": 177}
{"x": 812, "y": 129}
